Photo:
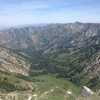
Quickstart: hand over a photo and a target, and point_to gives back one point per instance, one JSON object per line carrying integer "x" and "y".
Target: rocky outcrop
{"x": 11, "y": 62}
{"x": 16, "y": 96}
{"x": 86, "y": 92}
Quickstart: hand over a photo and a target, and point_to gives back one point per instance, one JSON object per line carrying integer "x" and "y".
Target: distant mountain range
{"x": 65, "y": 35}
{"x": 70, "y": 51}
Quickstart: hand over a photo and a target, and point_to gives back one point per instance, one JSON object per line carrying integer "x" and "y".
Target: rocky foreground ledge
{"x": 87, "y": 94}
{"x": 17, "y": 96}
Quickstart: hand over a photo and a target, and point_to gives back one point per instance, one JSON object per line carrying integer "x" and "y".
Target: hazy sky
{"x": 19, "y": 12}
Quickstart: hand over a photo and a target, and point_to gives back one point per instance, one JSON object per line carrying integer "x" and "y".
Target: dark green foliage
{"x": 67, "y": 63}
{"x": 10, "y": 82}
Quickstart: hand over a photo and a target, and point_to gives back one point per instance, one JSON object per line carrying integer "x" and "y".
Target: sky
{"x": 24, "y": 12}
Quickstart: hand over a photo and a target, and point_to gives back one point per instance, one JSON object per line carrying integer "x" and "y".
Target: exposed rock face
{"x": 51, "y": 36}
{"x": 87, "y": 92}
{"x": 10, "y": 62}
{"x": 16, "y": 96}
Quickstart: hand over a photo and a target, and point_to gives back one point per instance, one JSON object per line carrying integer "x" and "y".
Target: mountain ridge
{"x": 70, "y": 51}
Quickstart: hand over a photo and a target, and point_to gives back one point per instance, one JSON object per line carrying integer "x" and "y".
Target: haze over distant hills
{"x": 41, "y": 34}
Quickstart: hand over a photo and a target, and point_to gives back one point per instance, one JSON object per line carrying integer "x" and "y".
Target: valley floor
{"x": 49, "y": 87}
